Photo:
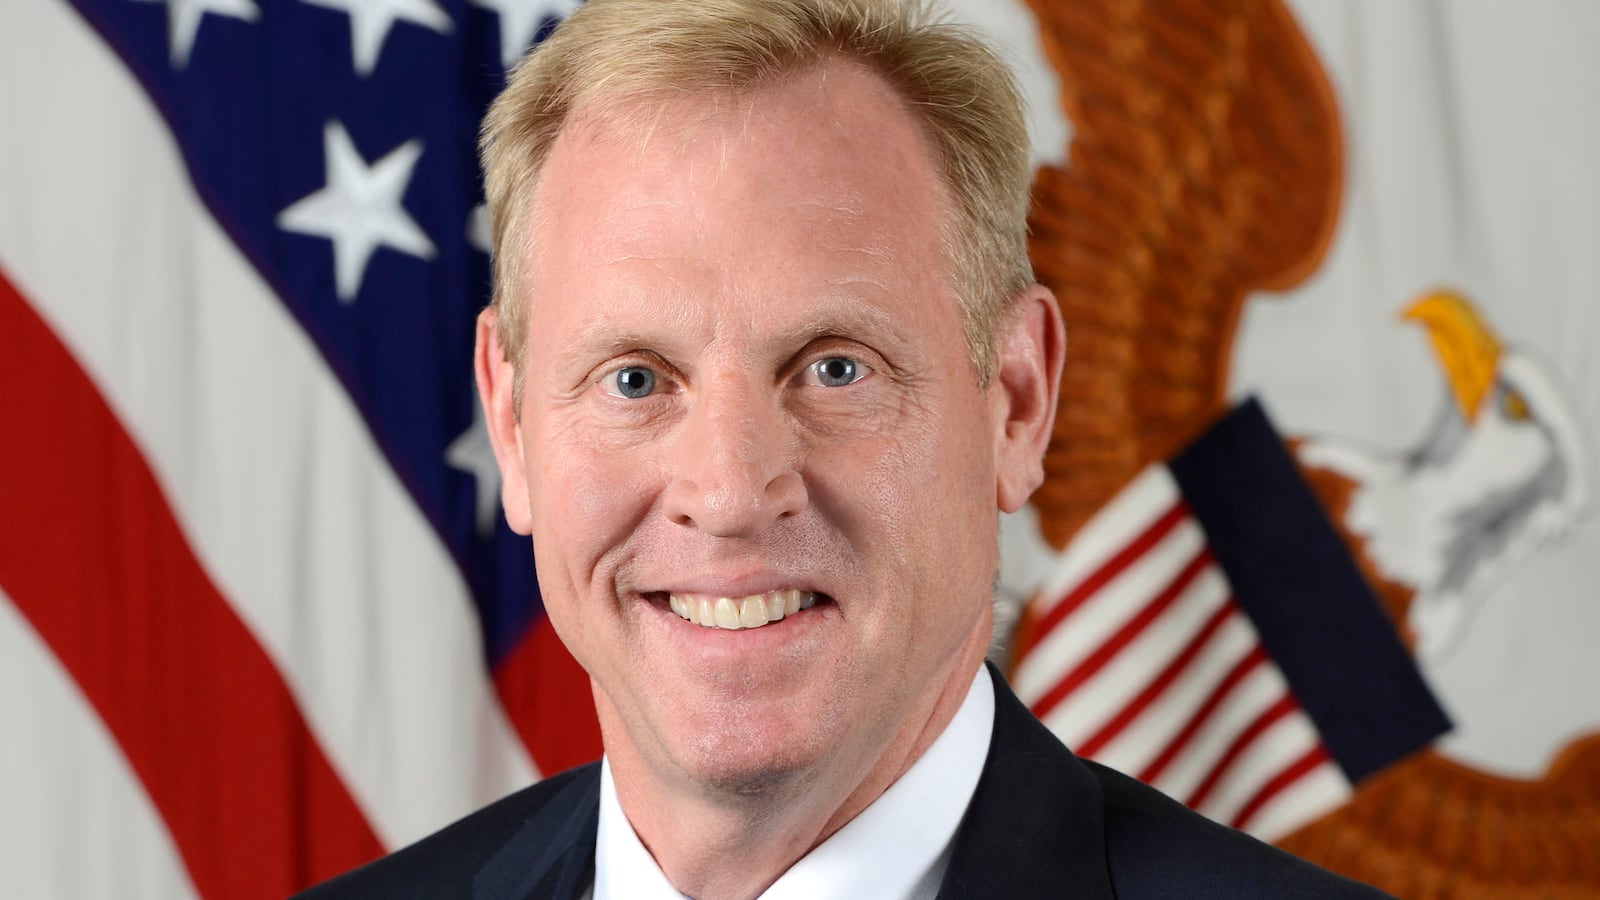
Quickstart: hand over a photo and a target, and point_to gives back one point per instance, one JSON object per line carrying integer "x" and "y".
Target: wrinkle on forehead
{"x": 731, "y": 116}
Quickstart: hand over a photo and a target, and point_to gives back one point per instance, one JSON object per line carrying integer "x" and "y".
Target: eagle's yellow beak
{"x": 1467, "y": 349}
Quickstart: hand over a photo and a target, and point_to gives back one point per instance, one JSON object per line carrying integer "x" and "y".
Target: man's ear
{"x": 496, "y": 378}
{"x": 1030, "y": 347}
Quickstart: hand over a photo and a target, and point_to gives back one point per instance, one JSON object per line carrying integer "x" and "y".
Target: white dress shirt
{"x": 898, "y": 847}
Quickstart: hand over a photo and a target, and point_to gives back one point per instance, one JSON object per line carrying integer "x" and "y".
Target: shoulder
{"x": 445, "y": 863}
{"x": 1156, "y": 847}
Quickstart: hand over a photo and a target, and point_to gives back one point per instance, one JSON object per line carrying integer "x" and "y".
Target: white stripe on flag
{"x": 1320, "y": 790}
{"x": 1110, "y": 690}
{"x": 66, "y": 784}
{"x": 1158, "y": 725}
{"x": 1269, "y": 753}
{"x": 269, "y": 468}
{"x": 1251, "y": 697}
{"x": 1116, "y": 525}
{"x": 1087, "y": 628}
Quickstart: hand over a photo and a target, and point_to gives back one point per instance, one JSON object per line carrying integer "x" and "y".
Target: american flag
{"x": 260, "y": 619}
{"x": 1208, "y": 633}
{"x": 243, "y": 481}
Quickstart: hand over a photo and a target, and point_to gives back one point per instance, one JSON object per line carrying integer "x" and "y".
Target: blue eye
{"x": 630, "y": 382}
{"x": 837, "y": 371}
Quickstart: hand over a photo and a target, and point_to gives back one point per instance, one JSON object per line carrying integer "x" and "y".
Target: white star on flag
{"x": 520, "y": 21}
{"x": 478, "y": 228}
{"x": 370, "y": 21}
{"x": 183, "y": 21}
{"x": 359, "y": 209}
{"x": 471, "y": 453}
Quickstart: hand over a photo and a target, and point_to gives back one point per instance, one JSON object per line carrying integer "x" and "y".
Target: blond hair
{"x": 632, "y": 51}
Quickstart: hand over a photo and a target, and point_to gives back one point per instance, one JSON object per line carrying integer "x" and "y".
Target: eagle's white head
{"x": 1505, "y": 468}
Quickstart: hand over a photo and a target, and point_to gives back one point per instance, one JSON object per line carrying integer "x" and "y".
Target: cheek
{"x": 936, "y": 462}
{"x": 934, "y": 496}
{"x": 586, "y": 500}
{"x": 907, "y": 496}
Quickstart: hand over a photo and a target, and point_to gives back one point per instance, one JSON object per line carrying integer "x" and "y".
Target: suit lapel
{"x": 552, "y": 854}
{"x": 1035, "y": 825}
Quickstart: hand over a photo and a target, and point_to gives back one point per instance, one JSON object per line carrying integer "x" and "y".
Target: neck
{"x": 714, "y": 844}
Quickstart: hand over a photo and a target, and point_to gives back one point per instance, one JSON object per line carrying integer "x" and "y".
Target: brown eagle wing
{"x": 1428, "y": 826}
{"x": 1205, "y": 164}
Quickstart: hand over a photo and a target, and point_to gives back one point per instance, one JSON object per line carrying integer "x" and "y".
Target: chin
{"x": 754, "y": 761}
{"x": 757, "y": 782}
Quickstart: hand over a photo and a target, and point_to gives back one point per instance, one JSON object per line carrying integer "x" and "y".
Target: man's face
{"x": 747, "y": 378}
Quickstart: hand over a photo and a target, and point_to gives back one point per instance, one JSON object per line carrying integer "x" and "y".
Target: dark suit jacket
{"x": 1042, "y": 823}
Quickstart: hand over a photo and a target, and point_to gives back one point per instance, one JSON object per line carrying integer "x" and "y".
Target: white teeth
{"x": 729, "y": 613}
{"x": 753, "y": 612}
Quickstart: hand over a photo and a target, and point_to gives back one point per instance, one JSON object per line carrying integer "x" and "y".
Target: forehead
{"x": 825, "y": 165}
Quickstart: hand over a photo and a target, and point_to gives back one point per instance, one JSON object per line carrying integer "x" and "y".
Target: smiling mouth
{"x": 732, "y": 613}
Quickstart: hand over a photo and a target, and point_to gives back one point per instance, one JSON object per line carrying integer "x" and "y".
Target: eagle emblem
{"x": 1504, "y": 470}
{"x": 1205, "y": 173}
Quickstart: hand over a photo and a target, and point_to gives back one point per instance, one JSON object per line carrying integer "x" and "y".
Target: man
{"x": 765, "y": 361}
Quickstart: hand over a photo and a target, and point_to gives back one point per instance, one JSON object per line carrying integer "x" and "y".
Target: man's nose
{"x": 734, "y": 473}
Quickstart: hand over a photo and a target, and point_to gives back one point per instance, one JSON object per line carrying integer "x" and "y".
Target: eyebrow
{"x": 842, "y": 313}
{"x": 844, "y": 319}
{"x": 599, "y": 339}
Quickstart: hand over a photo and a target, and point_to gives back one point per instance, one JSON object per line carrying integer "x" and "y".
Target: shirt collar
{"x": 897, "y": 847}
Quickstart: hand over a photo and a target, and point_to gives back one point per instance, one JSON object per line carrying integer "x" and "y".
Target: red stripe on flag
{"x": 1124, "y": 636}
{"x": 1109, "y": 570}
{"x": 1272, "y": 714}
{"x": 547, "y": 697}
{"x": 1159, "y": 684}
{"x": 1291, "y": 773}
{"x": 95, "y": 560}
{"x": 1255, "y": 658}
